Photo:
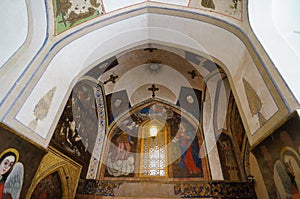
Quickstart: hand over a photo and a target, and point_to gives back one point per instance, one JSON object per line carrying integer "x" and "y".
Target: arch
{"x": 142, "y": 28}
{"x": 54, "y": 162}
{"x": 125, "y": 121}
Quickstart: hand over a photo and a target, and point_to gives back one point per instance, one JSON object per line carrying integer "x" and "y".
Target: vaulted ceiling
{"x": 168, "y": 69}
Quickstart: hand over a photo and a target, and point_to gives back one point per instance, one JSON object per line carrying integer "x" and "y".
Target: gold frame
{"x": 68, "y": 170}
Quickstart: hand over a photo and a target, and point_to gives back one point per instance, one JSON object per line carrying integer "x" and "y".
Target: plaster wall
{"x": 17, "y": 16}
{"x": 22, "y": 36}
{"x": 210, "y": 133}
{"x": 276, "y": 25}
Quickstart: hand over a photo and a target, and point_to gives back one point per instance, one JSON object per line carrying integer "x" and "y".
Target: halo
{"x": 13, "y": 150}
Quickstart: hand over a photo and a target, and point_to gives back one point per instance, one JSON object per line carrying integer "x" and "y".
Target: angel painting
{"x": 11, "y": 174}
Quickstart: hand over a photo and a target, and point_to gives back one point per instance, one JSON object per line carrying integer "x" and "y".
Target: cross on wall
{"x": 153, "y": 88}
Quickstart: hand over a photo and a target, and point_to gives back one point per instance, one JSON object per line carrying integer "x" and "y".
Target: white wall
{"x": 277, "y": 26}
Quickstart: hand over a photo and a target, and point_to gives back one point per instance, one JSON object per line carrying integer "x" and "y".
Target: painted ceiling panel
{"x": 69, "y": 13}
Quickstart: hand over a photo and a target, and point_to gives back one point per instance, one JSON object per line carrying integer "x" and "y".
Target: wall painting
{"x": 77, "y": 129}
{"x": 279, "y": 160}
{"x": 69, "y": 13}
{"x": 19, "y": 160}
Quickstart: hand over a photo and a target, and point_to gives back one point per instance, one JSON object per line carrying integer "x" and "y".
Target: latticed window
{"x": 153, "y": 151}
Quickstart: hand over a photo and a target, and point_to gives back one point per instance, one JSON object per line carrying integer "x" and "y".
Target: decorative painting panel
{"x": 96, "y": 155}
{"x": 230, "y": 8}
{"x": 69, "y": 13}
{"x": 259, "y": 103}
{"x": 23, "y": 158}
{"x": 237, "y": 128}
{"x": 49, "y": 187}
{"x": 56, "y": 177}
{"x": 228, "y": 159}
{"x": 121, "y": 158}
{"x": 77, "y": 129}
{"x": 190, "y": 100}
{"x": 176, "y": 149}
{"x": 278, "y": 157}
{"x": 187, "y": 142}
{"x": 117, "y": 103}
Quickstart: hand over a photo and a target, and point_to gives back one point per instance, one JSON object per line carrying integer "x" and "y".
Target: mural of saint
{"x": 189, "y": 150}
{"x": 11, "y": 174}
{"x": 120, "y": 160}
{"x": 123, "y": 147}
{"x": 291, "y": 174}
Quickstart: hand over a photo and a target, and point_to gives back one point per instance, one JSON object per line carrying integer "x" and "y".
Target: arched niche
{"x": 55, "y": 168}
{"x": 128, "y": 138}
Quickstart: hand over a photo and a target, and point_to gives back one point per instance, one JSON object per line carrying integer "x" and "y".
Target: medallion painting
{"x": 69, "y": 13}
{"x": 19, "y": 160}
{"x": 278, "y": 157}
{"x": 76, "y": 131}
{"x": 117, "y": 103}
{"x": 190, "y": 100}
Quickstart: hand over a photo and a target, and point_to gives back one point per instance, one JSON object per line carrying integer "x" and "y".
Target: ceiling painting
{"x": 231, "y": 8}
{"x": 69, "y": 13}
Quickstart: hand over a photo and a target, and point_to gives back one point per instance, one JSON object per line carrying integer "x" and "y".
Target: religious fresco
{"x": 190, "y": 99}
{"x": 174, "y": 150}
{"x": 12, "y": 173}
{"x": 77, "y": 129}
{"x": 236, "y": 126}
{"x": 228, "y": 158}
{"x": 121, "y": 158}
{"x": 278, "y": 157}
{"x": 238, "y": 137}
{"x": 56, "y": 177}
{"x": 232, "y": 8}
{"x": 19, "y": 160}
{"x": 188, "y": 142}
{"x": 69, "y": 13}
{"x": 49, "y": 187}
{"x": 117, "y": 103}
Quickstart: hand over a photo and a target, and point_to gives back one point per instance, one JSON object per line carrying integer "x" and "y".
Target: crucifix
{"x": 153, "y": 89}
{"x": 193, "y": 74}
{"x": 150, "y": 49}
{"x": 112, "y": 79}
